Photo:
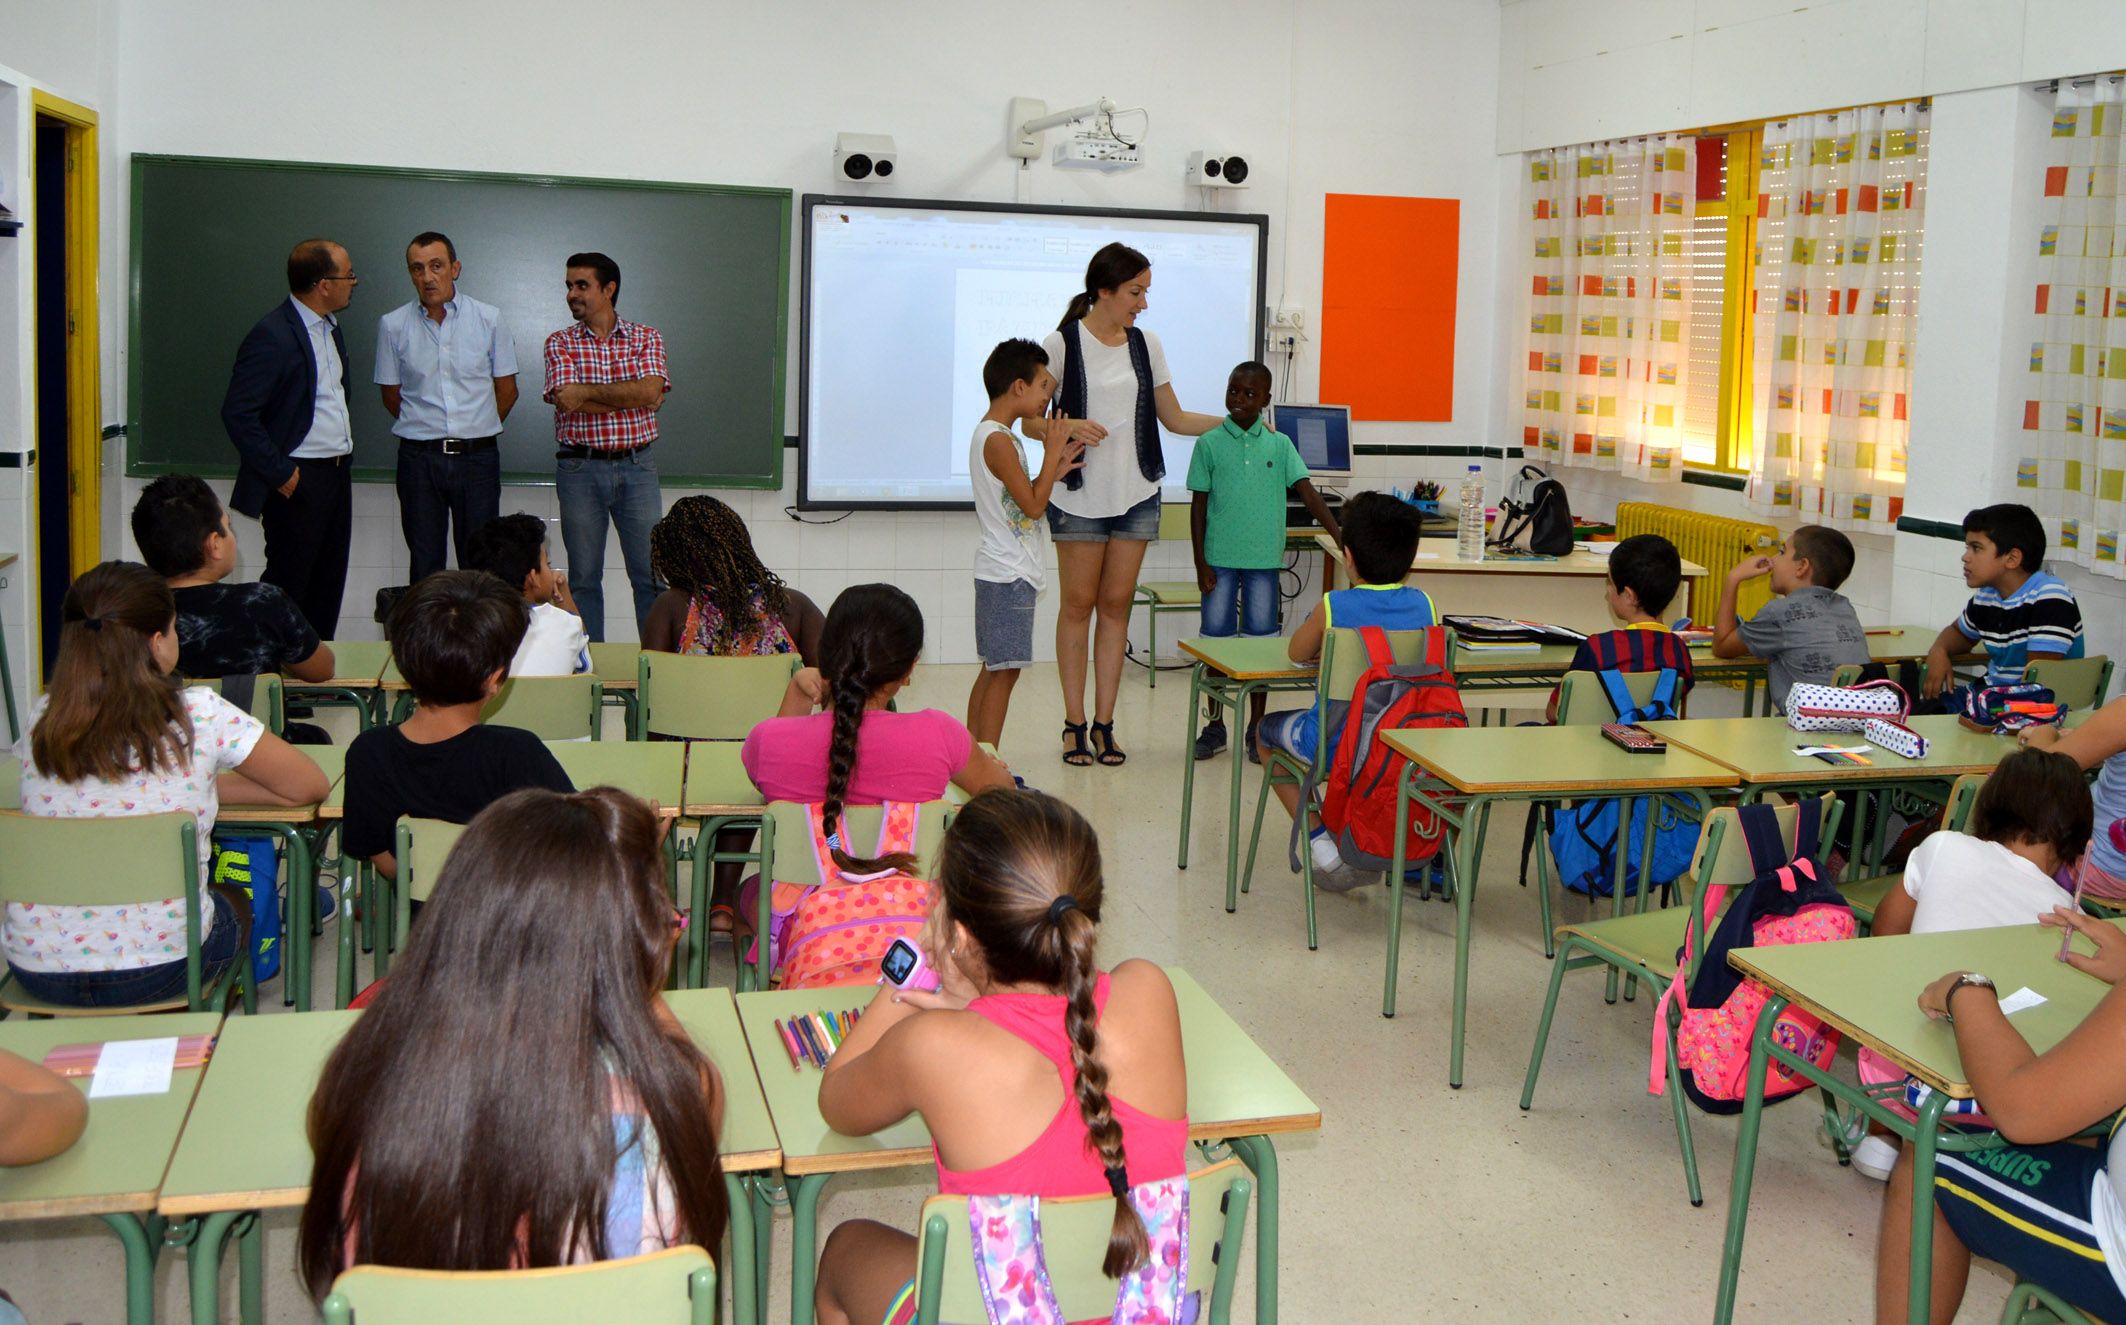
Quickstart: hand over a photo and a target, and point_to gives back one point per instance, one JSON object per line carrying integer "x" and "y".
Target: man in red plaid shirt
{"x": 606, "y": 379}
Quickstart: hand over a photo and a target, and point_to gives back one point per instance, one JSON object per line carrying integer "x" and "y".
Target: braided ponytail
{"x": 873, "y": 635}
{"x": 1127, "y": 1241}
{"x": 704, "y": 550}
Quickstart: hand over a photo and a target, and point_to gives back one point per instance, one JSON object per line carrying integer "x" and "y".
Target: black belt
{"x": 591, "y": 453}
{"x": 335, "y": 461}
{"x": 449, "y": 445}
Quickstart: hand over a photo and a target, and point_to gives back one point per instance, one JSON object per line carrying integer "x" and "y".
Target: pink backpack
{"x": 1784, "y": 903}
{"x": 834, "y": 932}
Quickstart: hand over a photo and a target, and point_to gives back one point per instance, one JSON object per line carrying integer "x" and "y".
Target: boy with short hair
{"x": 224, "y": 628}
{"x": 1379, "y": 538}
{"x": 1810, "y": 630}
{"x": 512, "y": 548}
{"x": 2019, "y": 612}
{"x": 452, "y": 636}
{"x": 1011, "y": 562}
{"x": 1240, "y": 473}
{"x": 1645, "y": 571}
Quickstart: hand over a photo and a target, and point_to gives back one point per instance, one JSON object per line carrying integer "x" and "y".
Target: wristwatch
{"x": 1948, "y": 998}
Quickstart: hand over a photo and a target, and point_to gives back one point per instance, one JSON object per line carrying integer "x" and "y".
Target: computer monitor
{"x": 1323, "y": 435}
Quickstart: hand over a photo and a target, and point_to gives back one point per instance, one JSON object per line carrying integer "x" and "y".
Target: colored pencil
{"x": 810, "y": 1038}
{"x": 789, "y": 1046}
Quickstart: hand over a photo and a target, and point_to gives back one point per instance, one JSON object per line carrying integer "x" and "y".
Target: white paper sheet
{"x": 2026, "y": 997}
{"x": 134, "y": 1067}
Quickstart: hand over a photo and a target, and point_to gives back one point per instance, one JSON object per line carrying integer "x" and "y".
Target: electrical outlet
{"x": 1288, "y": 317}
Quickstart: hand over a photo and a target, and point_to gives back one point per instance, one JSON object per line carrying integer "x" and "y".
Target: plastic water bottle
{"x": 1471, "y": 530}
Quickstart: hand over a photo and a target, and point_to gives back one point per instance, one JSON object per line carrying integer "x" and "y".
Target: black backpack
{"x": 1534, "y": 507}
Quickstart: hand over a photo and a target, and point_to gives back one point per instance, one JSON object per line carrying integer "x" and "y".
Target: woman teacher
{"x": 1114, "y": 387}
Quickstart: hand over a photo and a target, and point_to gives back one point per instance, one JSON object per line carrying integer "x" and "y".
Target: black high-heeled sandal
{"x": 1075, "y": 752}
{"x": 1109, "y": 754}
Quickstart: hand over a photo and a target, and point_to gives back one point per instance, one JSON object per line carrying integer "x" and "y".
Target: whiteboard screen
{"x": 902, "y": 302}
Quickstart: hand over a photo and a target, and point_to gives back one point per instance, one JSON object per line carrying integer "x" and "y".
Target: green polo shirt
{"x": 1246, "y": 475}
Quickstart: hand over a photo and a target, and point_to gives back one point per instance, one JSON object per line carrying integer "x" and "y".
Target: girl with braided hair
{"x": 722, "y": 601}
{"x": 1037, "y": 1073}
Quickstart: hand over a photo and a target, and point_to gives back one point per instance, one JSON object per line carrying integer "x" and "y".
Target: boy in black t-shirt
{"x": 224, "y": 628}
{"x": 452, "y": 635}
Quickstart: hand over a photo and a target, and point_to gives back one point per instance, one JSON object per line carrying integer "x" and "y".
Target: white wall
{"x": 1361, "y": 96}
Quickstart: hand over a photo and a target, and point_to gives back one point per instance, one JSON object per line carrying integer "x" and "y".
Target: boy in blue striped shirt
{"x": 2019, "y": 612}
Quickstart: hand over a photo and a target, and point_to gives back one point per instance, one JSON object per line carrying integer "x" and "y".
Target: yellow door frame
{"x": 84, "y": 449}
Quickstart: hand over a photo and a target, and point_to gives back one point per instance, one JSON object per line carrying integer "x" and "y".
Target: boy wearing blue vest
{"x": 1379, "y": 540}
{"x": 1240, "y": 472}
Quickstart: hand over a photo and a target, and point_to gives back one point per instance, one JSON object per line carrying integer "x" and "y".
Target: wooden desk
{"x": 617, "y": 667}
{"x": 303, "y": 828}
{"x": 719, "y": 795}
{"x": 1869, "y": 989}
{"x": 1460, "y": 772}
{"x": 115, "y": 1171}
{"x": 246, "y": 1148}
{"x": 1227, "y": 671}
{"x": 1236, "y": 1095}
{"x": 653, "y": 770}
{"x": 356, "y": 681}
{"x": 1563, "y": 591}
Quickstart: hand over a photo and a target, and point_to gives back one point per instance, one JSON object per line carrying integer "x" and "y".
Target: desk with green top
{"x": 1869, "y": 989}
{"x": 615, "y": 665}
{"x": 246, "y": 1148}
{"x": 719, "y": 795}
{"x": 1458, "y": 773}
{"x": 1236, "y": 1095}
{"x": 115, "y": 1171}
{"x": 1226, "y": 672}
{"x": 356, "y": 681}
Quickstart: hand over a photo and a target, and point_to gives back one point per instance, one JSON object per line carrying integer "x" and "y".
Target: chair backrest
{"x": 711, "y": 699}
{"x": 2079, "y": 683}
{"x": 676, "y": 1286}
{"x": 552, "y": 708}
{"x": 1074, "y": 1242}
{"x": 1846, "y": 674}
{"x": 1963, "y": 795}
{"x": 268, "y": 703}
{"x": 1582, "y": 702}
{"x": 1723, "y": 856}
{"x": 99, "y": 862}
{"x": 421, "y": 846}
{"x": 1174, "y": 521}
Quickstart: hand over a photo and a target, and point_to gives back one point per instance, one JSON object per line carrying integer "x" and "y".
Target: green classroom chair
{"x": 268, "y": 699}
{"x": 1865, "y": 895}
{"x": 420, "y": 846}
{"x": 1074, "y": 1241}
{"x": 1161, "y": 596}
{"x": 1343, "y": 661}
{"x": 787, "y": 821}
{"x": 113, "y": 862}
{"x": 1846, "y": 674}
{"x": 676, "y": 1286}
{"x": 2079, "y": 683}
{"x": 552, "y": 708}
{"x": 709, "y": 699}
{"x": 1643, "y": 946}
{"x": 2030, "y": 1304}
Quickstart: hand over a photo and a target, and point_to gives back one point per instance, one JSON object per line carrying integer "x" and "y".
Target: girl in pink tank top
{"x": 1012, "y": 938}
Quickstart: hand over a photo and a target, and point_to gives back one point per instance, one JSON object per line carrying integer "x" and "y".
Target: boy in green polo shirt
{"x": 1240, "y": 473}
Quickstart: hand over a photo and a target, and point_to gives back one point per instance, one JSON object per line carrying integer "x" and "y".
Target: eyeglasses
{"x": 350, "y": 278}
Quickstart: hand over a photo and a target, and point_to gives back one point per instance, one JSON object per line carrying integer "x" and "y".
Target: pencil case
{"x": 1892, "y": 735}
{"x": 1814, "y": 708}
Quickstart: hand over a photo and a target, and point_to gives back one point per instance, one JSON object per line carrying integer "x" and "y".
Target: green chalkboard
{"x": 707, "y": 265}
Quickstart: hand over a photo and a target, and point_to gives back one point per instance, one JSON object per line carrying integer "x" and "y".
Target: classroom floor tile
{"x": 1415, "y": 1202}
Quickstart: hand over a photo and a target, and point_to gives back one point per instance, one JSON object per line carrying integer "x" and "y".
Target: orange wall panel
{"x": 1387, "y": 305}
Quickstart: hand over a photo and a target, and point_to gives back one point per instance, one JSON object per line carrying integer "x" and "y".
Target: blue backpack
{"x": 1583, "y": 836}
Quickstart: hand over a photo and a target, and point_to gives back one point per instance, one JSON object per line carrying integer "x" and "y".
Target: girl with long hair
{"x": 1115, "y": 393}
{"x": 722, "y": 601}
{"x": 518, "y": 1095}
{"x": 115, "y": 736}
{"x": 1037, "y": 1073}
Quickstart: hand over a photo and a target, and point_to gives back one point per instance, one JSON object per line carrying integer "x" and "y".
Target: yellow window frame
{"x": 1737, "y": 421}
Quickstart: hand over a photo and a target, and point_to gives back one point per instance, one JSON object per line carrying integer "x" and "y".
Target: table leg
{"x": 804, "y": 1244}
{"x": 343, "y": 977}
{"x": 1464, "y": 912}
{"x": 739, "y": 1269}
{"x": 1738, "y": 1199}
{"x": 141, "y": 1236}
{"x": 763, "y": 1248}
{"x": 1188, "y": 759}
{"x": 250, "y": 1270}
{"x": 1261, "y": 1158}
{"x": 1926, "y": 1131}
{"x": 1238, "y": 723}
{"x": 1396, "y": 865}
{"x": 205, "y": 1264}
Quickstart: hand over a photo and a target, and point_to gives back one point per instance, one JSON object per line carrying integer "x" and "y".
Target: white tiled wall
{"x": 1930, "y": 587}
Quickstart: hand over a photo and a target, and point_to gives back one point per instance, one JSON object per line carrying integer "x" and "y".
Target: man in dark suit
{"x": 286, "y": 412}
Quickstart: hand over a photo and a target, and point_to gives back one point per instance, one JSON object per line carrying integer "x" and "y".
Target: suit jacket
{"x": 271, "y": 403}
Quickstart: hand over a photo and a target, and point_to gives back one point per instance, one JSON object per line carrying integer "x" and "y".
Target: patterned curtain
{"x": 1608, "y": 344}
{"x": 1840, "y": 203}
{"x": 2072, "y": 470}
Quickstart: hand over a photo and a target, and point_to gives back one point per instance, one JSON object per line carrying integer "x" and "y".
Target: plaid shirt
{"x": 630, "y": 354}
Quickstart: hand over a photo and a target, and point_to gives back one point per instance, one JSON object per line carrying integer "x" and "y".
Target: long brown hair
{"x": 112, "y": 711}
{"x": 701, "y": 547}
{"x": 873, "y": 635}
{"x": 1007, "y": 858}
{"x": 466, "y": 1122}
{"x": 1110, "y": 269}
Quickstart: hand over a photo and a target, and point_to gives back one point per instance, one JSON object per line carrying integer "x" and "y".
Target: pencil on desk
{"x": 789, "y": 1046}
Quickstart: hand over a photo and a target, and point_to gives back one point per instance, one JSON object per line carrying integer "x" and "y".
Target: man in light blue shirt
{"x": 448, "y": 370}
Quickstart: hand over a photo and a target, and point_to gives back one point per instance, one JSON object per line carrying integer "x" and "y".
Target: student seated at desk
{"x": 224, "y": 627}
{"x": 1380, "y": 536}
{"x": 1810, "y": 629}
{"x": 1644, "y": 573}
{"x": 518, "y": 1095}
{"x": 1037, "y": 1073}
{"x": 116, "y": 736}
{"x": 512, "y": 548}
{"x": 2052, "y": 1210}
{"x": 722, "y": 602}
{"x": 452, "y": 635}
{"x": 2099, "y": 743}
{"x": 2019, "y": 612}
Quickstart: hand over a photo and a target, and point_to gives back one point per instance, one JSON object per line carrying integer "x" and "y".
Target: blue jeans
{"x": 140, "y": 984}
{"x": 591, "y": 490}
{"x": 444, "y": 493}
{"x": 1242, "y": 602}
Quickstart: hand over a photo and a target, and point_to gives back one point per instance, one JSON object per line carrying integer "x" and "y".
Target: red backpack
{"x": 1358, "y": 805}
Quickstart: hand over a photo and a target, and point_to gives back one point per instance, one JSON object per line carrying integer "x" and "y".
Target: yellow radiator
{"x": 1714, "y": 542}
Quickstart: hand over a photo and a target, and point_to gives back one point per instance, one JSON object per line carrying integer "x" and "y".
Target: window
{"x": 1716, "y": 414}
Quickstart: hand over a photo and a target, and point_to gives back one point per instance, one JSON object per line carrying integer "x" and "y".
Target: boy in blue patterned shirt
{"x": 2019, "y": 612}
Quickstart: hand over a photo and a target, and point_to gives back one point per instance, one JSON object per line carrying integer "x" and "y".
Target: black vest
{"x": 1151, "y": 461}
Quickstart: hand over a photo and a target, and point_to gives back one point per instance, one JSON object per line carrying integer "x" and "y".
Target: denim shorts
{"x": 1294, "y": 731}
{"x": 1139, "y": 524}
{"x": 1242, "y": 602}
{"x": 1003, "y": 624}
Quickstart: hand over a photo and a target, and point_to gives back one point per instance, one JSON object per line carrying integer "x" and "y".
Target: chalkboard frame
{"x": 140, "y": 466}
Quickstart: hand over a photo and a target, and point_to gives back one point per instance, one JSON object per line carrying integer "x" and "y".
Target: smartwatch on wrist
{"x": 1948, "y": 998}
